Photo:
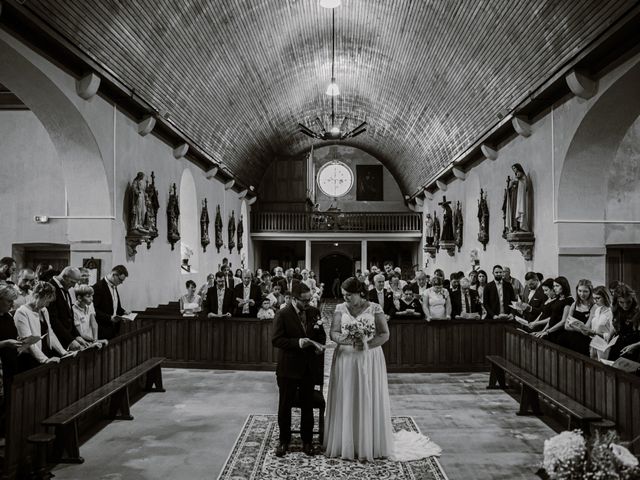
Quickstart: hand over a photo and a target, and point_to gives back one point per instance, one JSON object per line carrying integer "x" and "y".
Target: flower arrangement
{"x": 360, "y": 331}
{"x": 569, "y": 456}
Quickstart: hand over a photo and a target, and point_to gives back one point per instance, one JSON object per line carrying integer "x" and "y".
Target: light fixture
{"x": 333, "y": 89}
{"x": 330, "y": 3}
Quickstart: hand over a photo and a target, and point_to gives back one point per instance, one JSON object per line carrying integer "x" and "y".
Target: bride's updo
{"x": 353, "y": 285}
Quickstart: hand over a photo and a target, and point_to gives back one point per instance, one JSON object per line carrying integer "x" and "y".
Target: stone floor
{"x": 187, "y": 432}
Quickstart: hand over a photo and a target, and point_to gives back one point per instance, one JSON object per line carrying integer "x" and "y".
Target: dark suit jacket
{"x": 61, "y": 317}
{"x": 492, "y": 300}
{"x": 388, "y": 300}
{"x": 283, "y": 284}
{"x": 228, "y": 300}
{"x": 103, "y": 303}
{"x": 536, "y": 303}
{"x": 457, "y": 299}
{"x": 402, "y": 306}
{"x": 229, "y": 281}
{"x": 293, "y": 361}
{"x": 255, "y": 294}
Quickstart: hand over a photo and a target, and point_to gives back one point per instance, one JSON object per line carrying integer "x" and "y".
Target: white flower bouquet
{"x": 360, "y": 331}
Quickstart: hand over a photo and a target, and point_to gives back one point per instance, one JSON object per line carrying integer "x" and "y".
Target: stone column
{"x": 363, "y": 255}
{"x": 307, "y": 254}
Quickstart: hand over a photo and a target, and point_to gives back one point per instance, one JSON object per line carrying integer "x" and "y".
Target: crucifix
{"x": 447, "y": 221}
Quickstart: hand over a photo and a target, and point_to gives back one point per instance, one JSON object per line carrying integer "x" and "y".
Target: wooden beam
{"x": 211, "y": 174}
{"x": 488, "y": 151}
{"x": 441, "y": 185}
{"x": 87, "y": 86}
{"x": 243, "y": 194}
{"x": 521, "y": 125}
{"x": 252, "y": 200}
{"x": 229, "y": 184}
{"x": 146, "y": 126}
{"x": 458, "y": 173}
{"x": 580, "y": 84}
{"x": 181, "y": 150}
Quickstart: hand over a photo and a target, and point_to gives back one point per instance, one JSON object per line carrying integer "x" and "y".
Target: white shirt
{"x": 500, "y": 296}
{"x": 247, "y": 296}
{"x": 82, "y": 321}
{"x": 220, "y": 292}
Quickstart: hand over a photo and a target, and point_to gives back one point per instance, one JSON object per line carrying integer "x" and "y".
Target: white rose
{"x": 625, "y": 457}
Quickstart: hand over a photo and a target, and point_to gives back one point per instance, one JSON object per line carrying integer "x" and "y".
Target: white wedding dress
{"x": 358, "y": 416}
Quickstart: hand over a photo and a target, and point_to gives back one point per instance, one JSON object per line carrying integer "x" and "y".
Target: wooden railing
{"x": 608, "y": 391}
{"x": 385, "y": 222}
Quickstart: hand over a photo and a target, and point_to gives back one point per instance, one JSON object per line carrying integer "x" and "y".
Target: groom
{"x": 296, "y": 325}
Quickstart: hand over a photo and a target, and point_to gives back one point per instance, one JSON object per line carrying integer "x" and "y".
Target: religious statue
{"x": 428, "y": 229}
{"x": 447, "y": 221}
{"x": 436, "y": 230}
{"x": 204, "y": 226}
{"x": 517, "y": 212}
{"x": 218, "y": 226}
{"x": 138, "y": 213}
{"x": 173, "y": 215}
{"x": 483, "y": 219}
{"x": 240, "y": 233}
{"x": 153, "y": 205}
{"x": 232, "y": 231}
{"x": 458, "y": 225}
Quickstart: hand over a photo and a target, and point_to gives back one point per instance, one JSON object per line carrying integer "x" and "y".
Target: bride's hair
{"x": 353, "y": 285}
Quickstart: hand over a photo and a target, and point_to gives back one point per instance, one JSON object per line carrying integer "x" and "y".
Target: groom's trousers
{"x": 288, "y": 388}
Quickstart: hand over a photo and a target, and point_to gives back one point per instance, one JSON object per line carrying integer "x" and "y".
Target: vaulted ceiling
{"x": 236, "y": 76}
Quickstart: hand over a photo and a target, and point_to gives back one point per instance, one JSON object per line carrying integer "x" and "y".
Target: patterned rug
{"x": 252, "y": 458}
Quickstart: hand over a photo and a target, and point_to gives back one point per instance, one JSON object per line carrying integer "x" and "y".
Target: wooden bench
{"x": 66, "y": 447}
{"x": 532, "y": 387}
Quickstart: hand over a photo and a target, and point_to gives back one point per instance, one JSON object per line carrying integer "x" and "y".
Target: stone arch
{"x": 189, "y": 221}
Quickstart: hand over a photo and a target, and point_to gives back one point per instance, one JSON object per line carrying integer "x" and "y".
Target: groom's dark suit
{"x": 296, "y": 366}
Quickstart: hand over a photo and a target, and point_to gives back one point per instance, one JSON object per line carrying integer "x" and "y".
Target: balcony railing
{"x": 380, "y": 222}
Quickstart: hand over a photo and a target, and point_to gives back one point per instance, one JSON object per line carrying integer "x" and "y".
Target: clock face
{"x": 335, "y": 179}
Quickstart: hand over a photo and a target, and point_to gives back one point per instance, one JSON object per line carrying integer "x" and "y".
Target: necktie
{"x": 466, "y": 301}
{"x": 303, "y": 320}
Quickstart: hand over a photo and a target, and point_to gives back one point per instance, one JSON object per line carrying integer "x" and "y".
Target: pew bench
{"x": 533, "y": 388}
{"x": 65, "y": 422}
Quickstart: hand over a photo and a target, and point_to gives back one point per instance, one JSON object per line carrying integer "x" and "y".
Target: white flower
{"x": 625, "y": 457}
{"x": 566, "y": 446}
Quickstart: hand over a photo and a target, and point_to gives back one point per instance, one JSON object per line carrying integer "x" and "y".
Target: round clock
{"x": 335, "y": 179}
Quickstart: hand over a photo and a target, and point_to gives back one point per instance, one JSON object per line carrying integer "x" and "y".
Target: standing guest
{"x": 12, "y": 363}
{"x": 393, "y": 286}
{"x": 454, "y": 282}
{"x": 626, "y": 320}
{"x": 498, "y": 296}
{"x": 580, "y": 311}
{"x": 542, "y": 320}
{"x": 266, "y": 285}
{"x": 8, "y": 267}
{"x": 388, "y": 270}
{"x": 518, "y": 288}
{"x": 278, "y": 275}
{"x": 308, "y": 281}
{"x": 600, "y": 320}
{"x": 559, "y": 311}
{"x": 398, "y": 272}
{"x": 84, "y": 315}
{"x": 381, "y": 295}
{"x": 287, "y": 299}
{"x": 85, "y": 276}
{"x": 367, "y": 282}
{"x": 229, "y": 281}
{"x": 220, "y": 301}
{"x": 26, "y": 282}
{"x": 237, "y": 278}
{"x": 190, "y": 302}
{"x": 288, "y": 281}
{"x": 465, "y": 302}
{"x": 32, "y": 319}
{"x": 408, "y": 305}
{"x": 297, "y": 274}
{"x": 533, "y": 297}
{"x": 257, "y": 279}
{"x": 106, "y": 301}
{"x": 247, "y": 296}
{"x": 421, "y": 284}
{"x": 266, "y": 312}
{"x": 436, "y": 302}
{"x": 473, "y": 279}
{"x": 275, "y": 297}
{"x": 211, "y": 282}
{"x": 42, "y": 268}
{"x": 61, "y": 309}
{"x": 438, "y": 272}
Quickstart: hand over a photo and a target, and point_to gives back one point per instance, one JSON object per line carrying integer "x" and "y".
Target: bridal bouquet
{"x": 359, "y": 331}
{"x": 569, "y": 456}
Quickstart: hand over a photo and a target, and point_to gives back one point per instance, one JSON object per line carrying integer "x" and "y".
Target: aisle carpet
{"x": 252, "y": 458}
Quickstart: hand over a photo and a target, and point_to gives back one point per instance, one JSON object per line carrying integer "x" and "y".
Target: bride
{"x": 358, "y": 419}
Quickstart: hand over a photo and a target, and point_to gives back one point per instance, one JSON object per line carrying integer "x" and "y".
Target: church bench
{"x": 533, "y": 388}
{"x": 65, "y": 422}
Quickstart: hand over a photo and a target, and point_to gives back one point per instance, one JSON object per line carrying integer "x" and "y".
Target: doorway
{"x": 334, "y": 269}
{"x": 623, "y": 265}
{"x": 29, "y": 255}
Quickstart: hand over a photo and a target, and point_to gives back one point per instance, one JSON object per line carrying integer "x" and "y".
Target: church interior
{"x": 198, "y": 167}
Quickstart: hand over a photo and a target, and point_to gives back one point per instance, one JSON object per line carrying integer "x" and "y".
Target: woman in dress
{"x": 190, "y": 302}
{"x": 626, "y": 321}
{"x": 409, "y": 306}
{"x": 540, "y": 323}
{"x": 436, "y": 301}
{"x": 580, "y": 311}
{"x": 558, "y": 311}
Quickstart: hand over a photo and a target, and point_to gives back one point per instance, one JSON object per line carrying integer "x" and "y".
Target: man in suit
{"x": 106, "y": 301}
{"x": 465, "y": 303}
{"x": 533, "y": 297}
{"x": 219, "y": 299}
{"x": 518, "y": 288}
{"x": 297, "y": 273}
{"x": 61, "y": 311}
{"x": 247, "y": 296}
{"x": 380, "y": 295}
{"x": 278, "y": 276}
{"x": 295, "y": 326}
{"x": 421, "y": 284}
{"x": 498, "y": 296}
{"x": 287, "y": 283}
{"x": 229, "y": 282}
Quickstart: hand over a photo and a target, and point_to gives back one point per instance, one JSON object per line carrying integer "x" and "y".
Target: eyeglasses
{"x": 303, "y": 300}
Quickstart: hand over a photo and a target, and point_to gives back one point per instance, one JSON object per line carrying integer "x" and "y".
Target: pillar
{"x": 307, "y": 254}
{"x": 363, "y": 255}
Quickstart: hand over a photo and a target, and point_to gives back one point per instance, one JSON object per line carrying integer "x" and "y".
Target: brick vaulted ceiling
{"x": 236, "y": 76}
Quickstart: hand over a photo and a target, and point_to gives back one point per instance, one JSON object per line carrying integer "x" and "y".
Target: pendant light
{"x": 333, "y": 89}
{"x": 330, "y": 3}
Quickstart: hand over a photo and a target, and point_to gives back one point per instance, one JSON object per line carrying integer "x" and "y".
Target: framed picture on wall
{"x": 94, "y": 265}
{"x": 369, "y": 183}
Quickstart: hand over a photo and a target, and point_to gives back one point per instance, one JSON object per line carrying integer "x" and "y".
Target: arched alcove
{"x": 189, "y": 223}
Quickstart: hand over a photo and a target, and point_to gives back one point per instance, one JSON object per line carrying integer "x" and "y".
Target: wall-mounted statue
{"x": 232, "y": 231}
{"x": 483, "y": 219}
{"x": 458, "y": 225}
{"x": 136, "y": 207}
{"x": 436, "y": 230}
{"x": 153, "y": 205}
{"x": 447, "y": 239}
{"x": 218, "y": 225}
{"x": 517, "y": 212}
{"x": 240, "y": 233}
{"x": 173, "y": 216}
{"x": 204, "y": 226}
{"x": 428, "y": 230}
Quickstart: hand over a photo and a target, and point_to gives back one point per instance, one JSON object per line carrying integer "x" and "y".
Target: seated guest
{"x": 436, "y": 302}
{"x": 84, "y": 315}
{"x": 32, "y": 319}
{"x": 61, "y": 309}
{"x": 559, "y": 310}
{"x": 275, "y": 297}
{"x": 220, "y": 301}
{"x": 266, "y": 312}
{"x": 211, "y": 282}
{"x": 247, "y": 297}
{"x": 288, "y": 298}
{"x": 408, "y": 305}
{"x": 381, "y": 295}
{"x": 12, "y": 363}
{"x": 518, "y": 288}
{"x": 190, "y": 302}
{"x": 106, "y": 301}
{"x": 26, "y": 282}
{"x": 626, "y": 320}
{"x": 579, "y": 314}
{"x": 498, "y": 296}
{"x": 533, "y": 297}
{"x": 465, "y": 302}
{"x": 288, "y": 281}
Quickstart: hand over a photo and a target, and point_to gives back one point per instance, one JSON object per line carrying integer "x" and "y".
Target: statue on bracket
{"x": 447, "y": 239}
{"x": 436, "y": 231}
{"x": 137, "y": 231}
{"x": 153, "y": 205}
{"x": 204, "y": 226}
{"x": 173, "y": 216}
{"x": 232, "y": 231}
{"x": 483, "y": 219}
{"x": 428, "y": 230}
{"x": 240, "y": 232}
{"x": 458, "y": 224}
{"x": 517, "y": 212}
{"x": 218, "y": 226}
{"x": 432, "y": 234}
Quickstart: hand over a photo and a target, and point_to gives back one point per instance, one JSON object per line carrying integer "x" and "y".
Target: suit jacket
{"x": 103, "y": 304}
{"x": 228, "y": 300}
{"x": 402, "y": 306}
{"x": 388, "y": 306}
{"x": 492, "y": 299}
{"x": 229, "y": 281}
{"x": 255, "y": 294}
{"x": 293, "y": 361}
{"x": 536, "y": 303}
{"x": 61, "y": 317}
{"x": 283, "y": 284}
{"x": 456, "y": 303}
